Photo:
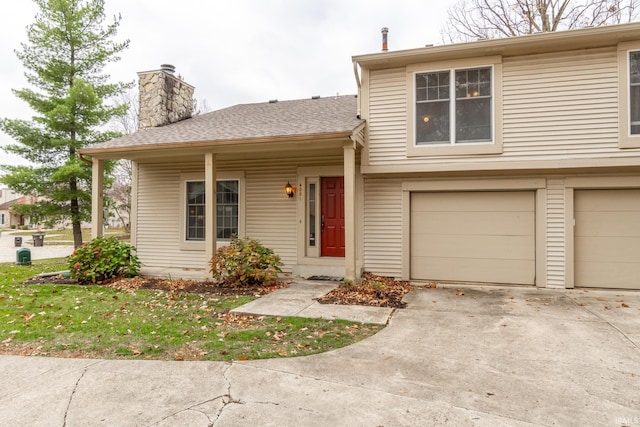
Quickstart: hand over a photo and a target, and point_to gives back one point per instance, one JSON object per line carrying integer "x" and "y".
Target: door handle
{"x": 322, "y": 224}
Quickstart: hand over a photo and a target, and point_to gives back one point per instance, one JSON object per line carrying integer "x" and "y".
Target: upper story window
{"x": 629, "y": 94}
{"x": 455, "y": 107}
{"x": 634, "y": 92}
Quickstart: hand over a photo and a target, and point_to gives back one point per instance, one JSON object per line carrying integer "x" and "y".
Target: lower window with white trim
{"x": 227, "y": 209}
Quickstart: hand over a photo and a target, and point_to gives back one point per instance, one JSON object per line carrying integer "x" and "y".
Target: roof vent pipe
{"x": 385, "y": 31}
{"x": 168, "y": 68}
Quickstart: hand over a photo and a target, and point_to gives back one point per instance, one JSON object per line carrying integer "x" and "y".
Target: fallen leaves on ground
{"x": 377, "y": 291}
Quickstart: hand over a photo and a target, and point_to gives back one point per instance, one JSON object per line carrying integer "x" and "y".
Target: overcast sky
{"x": 239, "y": 51}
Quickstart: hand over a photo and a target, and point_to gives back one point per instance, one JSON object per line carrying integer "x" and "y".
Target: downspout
{"x": 359, "y": 83}
{"x": 87, "y": 161}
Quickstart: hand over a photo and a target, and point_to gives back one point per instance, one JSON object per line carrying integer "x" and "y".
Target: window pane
{"x": 432, "y": 122}
{"x": 473, "y": 119}
{"x": 634, "y": 103}
{"x": 634, "y": 67}
{"x": 435, "y": 84}
{"x": 471, "y": 83}
{"x": 312, "y": 214}
{"x": 634, "y": 92}
{"x": 195, "y": 210}
{"x": 227, "y": 209}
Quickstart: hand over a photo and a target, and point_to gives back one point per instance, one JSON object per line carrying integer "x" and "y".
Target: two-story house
{"x": 498, "y": 161}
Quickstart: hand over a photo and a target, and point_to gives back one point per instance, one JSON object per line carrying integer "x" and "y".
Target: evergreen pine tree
{"x": 68, "y": 47}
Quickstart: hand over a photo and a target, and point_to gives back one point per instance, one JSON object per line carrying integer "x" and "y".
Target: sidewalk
{"x": 8, "y": 249}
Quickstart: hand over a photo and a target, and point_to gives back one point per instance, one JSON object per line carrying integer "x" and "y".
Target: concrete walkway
{"x": 459, "y": 356}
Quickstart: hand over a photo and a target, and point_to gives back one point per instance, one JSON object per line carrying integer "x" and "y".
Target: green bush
{"x": 103, "y": 258}
{"x": 245, "y": 262}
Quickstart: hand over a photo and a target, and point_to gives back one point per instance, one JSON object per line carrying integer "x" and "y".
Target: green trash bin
{"x": 23, "y": 256}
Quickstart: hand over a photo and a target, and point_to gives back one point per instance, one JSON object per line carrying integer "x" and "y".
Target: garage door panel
{"x": 607, "y": 200}
{"x": 608, "y": 275}
{"x": 473, "y": 236}
{"x": 474, "y": 270}
{"x": 607, "y": 249}
{"x": 607, "y": 238}
{"x": 485, "y": 247}
{"x": 480, "y": 201}
{"x": 478, "y": 223}
{"x": 607, "y": 223}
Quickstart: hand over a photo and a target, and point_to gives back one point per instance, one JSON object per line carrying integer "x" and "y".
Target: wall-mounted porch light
{"x": 289, "y": 189}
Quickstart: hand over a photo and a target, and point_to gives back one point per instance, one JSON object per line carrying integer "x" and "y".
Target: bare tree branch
{"x": 479, "y": 19}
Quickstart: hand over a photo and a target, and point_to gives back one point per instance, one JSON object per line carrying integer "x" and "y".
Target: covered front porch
{"x": 315, "y": 230}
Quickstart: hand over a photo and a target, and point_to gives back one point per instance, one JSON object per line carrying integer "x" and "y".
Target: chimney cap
{"x": 168, "y": 68}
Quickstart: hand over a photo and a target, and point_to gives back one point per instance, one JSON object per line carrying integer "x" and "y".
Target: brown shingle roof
{"x": 19, "y": 201}
{"x": 250, "y": 121}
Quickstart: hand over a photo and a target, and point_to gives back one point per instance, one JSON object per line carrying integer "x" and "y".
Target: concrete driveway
{"x": 460, "y": 356}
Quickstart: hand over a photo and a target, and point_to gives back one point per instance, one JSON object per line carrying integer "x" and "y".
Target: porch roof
{"x": 247, "y": 122}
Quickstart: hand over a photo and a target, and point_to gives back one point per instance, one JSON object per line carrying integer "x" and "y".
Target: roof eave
{"x": 259, "y": 143}
{"x": 521, "y": 45}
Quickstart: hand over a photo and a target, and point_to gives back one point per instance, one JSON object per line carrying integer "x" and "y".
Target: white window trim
{"x": 199, "y": 245}
{"x": 626, "y": 140}
{"x": 426, "y": 150}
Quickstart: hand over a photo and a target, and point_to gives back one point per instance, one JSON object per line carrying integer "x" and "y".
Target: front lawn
{"x": 104, "y": 322}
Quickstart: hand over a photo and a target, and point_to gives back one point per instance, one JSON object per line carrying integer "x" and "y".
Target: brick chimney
{"x": 164, "y": 97}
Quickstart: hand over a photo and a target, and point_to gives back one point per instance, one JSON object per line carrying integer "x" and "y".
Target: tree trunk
{"x": 77, "y": 234}
{"x": 75, "y": 215}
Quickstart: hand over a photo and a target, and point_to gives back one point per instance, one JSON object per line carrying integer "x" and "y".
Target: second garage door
{"x": 473, "y": 236}
{"x": 607, "y": 238}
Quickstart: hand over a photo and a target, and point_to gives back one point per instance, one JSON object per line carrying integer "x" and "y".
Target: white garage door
{"x": 607, "y": 238}
{"x": 473, "y": 236}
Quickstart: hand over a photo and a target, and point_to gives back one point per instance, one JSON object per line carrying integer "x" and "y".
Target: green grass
{"x": 102, "y": 322}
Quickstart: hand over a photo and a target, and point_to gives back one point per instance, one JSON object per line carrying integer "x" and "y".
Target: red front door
{"x": 332, "y": 216}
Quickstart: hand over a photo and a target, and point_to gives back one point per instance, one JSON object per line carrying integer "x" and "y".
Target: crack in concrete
{"x": 192, "y": 408}
{"x": 620, "y": 331}
{"x": 227, "y": 399}
{"x": 73, "y": 392}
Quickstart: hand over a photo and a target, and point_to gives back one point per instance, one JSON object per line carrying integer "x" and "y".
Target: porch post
{"x": 97, "y": 198}
{"x": 210, "y": 205}
{"x": 350, "y": 211}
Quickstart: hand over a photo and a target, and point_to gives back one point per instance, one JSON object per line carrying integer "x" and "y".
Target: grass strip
{"x": 103, "y": 322}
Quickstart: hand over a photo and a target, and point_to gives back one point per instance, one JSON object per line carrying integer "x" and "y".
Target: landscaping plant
{"x": 103, "y": 258}
{"x": 245, "y": 262}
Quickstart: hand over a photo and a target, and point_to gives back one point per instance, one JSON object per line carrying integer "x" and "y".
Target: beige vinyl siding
{"x": 555, "y": 217}
{"x": 158, "y": 222}
{"x": 387, "y": 116}
{"x": 562, "y": 104}
{"x": 270, "y": 216}
{"x": 555, "y": 106}
{"x": 383, "y": 226}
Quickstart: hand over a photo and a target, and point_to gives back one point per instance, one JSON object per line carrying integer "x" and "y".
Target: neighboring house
{"x": 501, "y": 161}
{"x": 8, "y": 216}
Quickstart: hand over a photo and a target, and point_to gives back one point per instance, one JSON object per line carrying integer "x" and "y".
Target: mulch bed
{"x": 376, "y": 291}
{"x": 174, "y": 285}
